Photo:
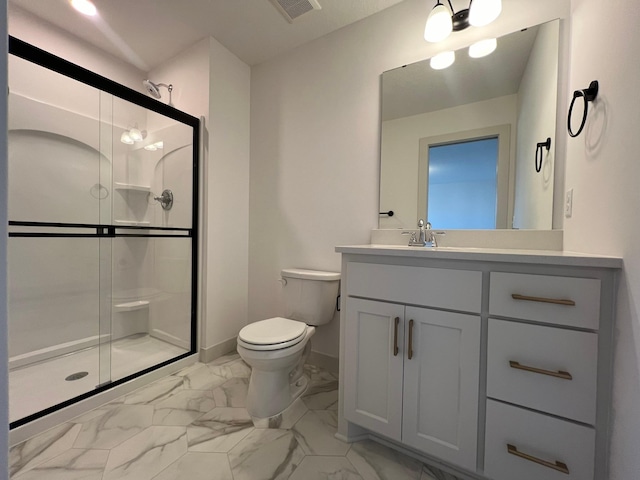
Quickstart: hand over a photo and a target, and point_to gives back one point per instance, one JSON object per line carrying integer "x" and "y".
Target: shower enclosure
{"x": 102, "y": 233}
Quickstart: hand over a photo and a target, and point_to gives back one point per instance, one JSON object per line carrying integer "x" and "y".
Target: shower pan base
{"x": 38, "y": 386}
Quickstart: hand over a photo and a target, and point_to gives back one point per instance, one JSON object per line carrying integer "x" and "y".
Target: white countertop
{"x": 544, "y": 257}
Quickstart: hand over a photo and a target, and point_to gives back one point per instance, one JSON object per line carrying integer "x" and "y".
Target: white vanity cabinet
{"x": 412, "y": 372}
{"x": 549, "y": 366}
{"x": 497, "y": 364}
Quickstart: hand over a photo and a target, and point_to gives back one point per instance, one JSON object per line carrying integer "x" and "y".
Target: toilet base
{"x": 285, "y": 419}
{"x": 277, "y": 377}
{"x": 270, "y": 385}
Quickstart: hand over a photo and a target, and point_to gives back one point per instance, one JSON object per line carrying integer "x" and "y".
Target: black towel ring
{"x": 540, "y": 147}
{"x": 589, "y": 95}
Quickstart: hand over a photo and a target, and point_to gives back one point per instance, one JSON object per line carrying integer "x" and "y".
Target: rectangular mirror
{"x": 460, "y": 145}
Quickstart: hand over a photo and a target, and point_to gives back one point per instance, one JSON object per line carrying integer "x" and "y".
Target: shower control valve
{"x": 165, "y": 199}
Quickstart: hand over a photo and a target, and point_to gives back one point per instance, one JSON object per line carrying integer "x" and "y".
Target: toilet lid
{"x": 272, "y": 331}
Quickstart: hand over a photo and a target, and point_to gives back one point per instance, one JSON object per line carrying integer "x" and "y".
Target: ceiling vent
{"x": 292, "y": 9}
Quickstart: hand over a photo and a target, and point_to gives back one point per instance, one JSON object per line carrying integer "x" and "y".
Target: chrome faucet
{"x": 426, "y": 236}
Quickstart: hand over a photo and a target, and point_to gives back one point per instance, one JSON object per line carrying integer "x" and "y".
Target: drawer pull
{"x": 395, "y": 336}
{"x": 559, "y": 466}
{"x": 558, "y": 374}
{"x": 410, "y": 353}
{"x": 557, "y": 301}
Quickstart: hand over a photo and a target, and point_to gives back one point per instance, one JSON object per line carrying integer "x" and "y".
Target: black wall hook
{"x": 589, "y": 95}
{"x": 540, "y": 147}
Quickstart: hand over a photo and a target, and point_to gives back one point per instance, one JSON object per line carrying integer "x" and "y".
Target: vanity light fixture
{"x": 135, "y": 134}
{"x": 442, "y": 60}
{"x": 483, "y": 48}
{"x": 85, "y": 7}
{"x": 442, "y": 20}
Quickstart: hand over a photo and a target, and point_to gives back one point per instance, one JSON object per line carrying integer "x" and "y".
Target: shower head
{"x": 152, "y": 88}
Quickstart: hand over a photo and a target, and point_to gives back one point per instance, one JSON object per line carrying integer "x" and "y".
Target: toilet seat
{"x": 272, "y": 334}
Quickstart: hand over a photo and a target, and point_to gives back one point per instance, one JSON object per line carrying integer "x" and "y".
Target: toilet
{"x": 277, "y": 348}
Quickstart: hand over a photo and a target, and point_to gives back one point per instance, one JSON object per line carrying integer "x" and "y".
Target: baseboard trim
{"x": 209, "y": 354}
{"x": 325, "y": 361}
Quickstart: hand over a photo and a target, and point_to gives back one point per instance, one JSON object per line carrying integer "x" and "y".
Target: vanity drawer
{"x": 549, "y": 299}
{"x": 524, "y": 445}
{"x": 545, "y": 368}
{"x": 432, "y": 287}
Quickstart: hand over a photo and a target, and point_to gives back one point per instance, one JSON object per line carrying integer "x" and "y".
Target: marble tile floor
{"x": 193, "y": 426}
{"x": 127, "y": 356}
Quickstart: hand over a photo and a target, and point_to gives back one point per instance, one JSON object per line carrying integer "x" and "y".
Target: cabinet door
{"x": 441, "y": 384}
{"x": 372, "y": 373}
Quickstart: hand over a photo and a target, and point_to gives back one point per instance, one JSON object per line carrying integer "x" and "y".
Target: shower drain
{"x": 76, "y": 376}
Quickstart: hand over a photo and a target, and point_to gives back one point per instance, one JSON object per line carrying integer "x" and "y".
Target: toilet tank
{"x": 310, "y": 296}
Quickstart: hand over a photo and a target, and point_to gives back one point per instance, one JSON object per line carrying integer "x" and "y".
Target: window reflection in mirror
{"x": 514, "y": 87}
{"x": 462, "y": 184}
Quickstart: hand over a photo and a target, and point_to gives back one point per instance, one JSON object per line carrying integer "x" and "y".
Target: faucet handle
{"x": 421, "y": 223}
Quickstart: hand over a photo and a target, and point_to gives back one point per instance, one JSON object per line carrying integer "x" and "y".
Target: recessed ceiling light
{"x": 85, "y": 7}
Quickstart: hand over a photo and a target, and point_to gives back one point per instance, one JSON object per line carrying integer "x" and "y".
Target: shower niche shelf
{"x": 131, "y": 187}
{"x": 131, "y": 306}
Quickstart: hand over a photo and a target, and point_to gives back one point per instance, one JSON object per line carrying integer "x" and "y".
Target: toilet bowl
{"x": 277, "y": 348}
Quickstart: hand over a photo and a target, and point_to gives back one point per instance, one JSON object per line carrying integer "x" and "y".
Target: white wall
{"x": 315, "y": 139}
{"x": 228, "y": 227}
{"x": 401, "y": 138}
{"x": 603, "y": 168}
{"x": 537, "y": 100}
{"x": 4, "y": 354}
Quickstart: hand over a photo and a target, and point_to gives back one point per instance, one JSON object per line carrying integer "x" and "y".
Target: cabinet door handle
{"x": 557, "y": 301}
{"x": 558, "y": 374}
{"x": 410, "y": 350}
{"x": 395, "y": 336}
{"x": 557, "y": 465}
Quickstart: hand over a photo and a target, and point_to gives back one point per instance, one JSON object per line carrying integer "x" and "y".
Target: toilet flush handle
{"x": 283, "y": 281}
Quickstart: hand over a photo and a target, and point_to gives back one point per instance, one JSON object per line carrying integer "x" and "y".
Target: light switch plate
{"x": 568, "y": 203}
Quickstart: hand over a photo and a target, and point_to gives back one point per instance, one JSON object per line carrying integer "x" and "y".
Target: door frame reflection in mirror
{"x": 504, "y": 211}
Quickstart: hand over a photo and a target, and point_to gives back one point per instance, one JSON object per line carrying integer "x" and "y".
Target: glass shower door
{"x": 59, "y": 183}
{"x": 103, "y": 233}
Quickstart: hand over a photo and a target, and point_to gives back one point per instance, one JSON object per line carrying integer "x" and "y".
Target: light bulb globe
{"x": 135, "y": 134}
{"x": 439, "y": 24}
{"x": 483, "y": 12}
{"x": 442, "y": 60}
{"x": 483, "y": 48}
{"x": 126, "y": 139}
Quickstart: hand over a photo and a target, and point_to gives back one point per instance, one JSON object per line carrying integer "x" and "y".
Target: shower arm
{"x": 169, "y": 87}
